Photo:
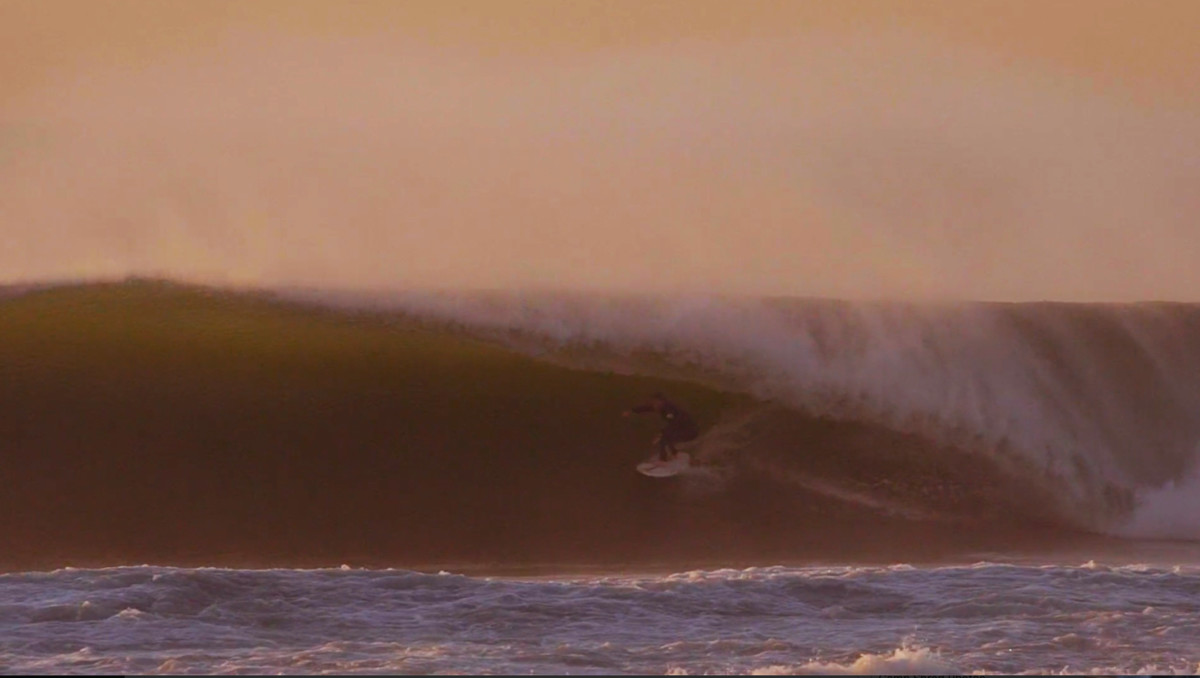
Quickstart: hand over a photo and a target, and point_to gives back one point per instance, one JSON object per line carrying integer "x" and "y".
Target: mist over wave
{"x": 1096, "y": 405}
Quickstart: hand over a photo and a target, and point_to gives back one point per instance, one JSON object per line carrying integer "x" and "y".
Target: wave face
{"x": 1094, "y": 408}
{"x": 154, "y": 422}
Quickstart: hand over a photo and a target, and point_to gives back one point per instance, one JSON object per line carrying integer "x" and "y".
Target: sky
{"x": 1001, "y": 150}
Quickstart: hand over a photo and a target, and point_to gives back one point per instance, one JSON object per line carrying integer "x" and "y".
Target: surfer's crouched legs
{"x": 671, "y": 435}
{"x": 666, "y": 452}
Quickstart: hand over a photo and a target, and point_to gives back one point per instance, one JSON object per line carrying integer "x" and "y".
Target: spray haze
{"x": 882, "y": 165}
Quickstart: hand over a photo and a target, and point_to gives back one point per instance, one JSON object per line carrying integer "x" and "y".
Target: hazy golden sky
{"x": 999, "y": 149}
{"x": 1145, "y": 46}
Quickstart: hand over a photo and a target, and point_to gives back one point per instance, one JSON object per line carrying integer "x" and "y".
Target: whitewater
{"x": 980, "y": 618}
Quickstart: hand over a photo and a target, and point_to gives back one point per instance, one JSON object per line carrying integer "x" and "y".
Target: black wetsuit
{"x": 680, "y": 426}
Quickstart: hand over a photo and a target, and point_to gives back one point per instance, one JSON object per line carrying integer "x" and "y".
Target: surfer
{"x": 680, "y": 427}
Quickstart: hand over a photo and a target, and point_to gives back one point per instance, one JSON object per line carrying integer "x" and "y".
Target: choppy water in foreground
{"x": 899, "y": 619}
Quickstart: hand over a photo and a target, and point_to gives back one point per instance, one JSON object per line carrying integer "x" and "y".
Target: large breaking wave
{"x": 153, "y": 422}
{"x": 1093, "y": 407}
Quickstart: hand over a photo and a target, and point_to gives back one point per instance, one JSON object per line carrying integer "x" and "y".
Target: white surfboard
{"x": 658, "y": 469}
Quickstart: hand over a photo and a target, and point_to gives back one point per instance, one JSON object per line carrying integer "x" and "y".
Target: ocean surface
{"x": 982, "y": 618}
{"x": 203, "y": 480}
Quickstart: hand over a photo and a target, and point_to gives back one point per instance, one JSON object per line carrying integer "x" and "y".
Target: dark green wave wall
{"x": 153, "y": 422}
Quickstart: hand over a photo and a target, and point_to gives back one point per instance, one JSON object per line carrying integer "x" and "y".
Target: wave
{"x": 1096, "y": 405}
{"x": 149, "y": 421}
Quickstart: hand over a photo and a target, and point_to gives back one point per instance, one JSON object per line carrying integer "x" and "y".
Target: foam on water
{"x": 980, "y": 618}
{"x": 1168, "y": 512}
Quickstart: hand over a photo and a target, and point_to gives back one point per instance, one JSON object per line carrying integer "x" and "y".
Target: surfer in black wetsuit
{"x": 680, "y": 427}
